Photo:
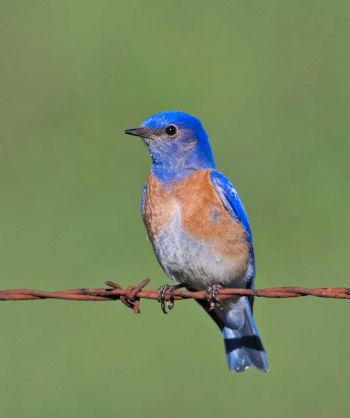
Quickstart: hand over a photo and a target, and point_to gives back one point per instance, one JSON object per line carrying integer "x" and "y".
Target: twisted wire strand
{"x": 131, "y": 295}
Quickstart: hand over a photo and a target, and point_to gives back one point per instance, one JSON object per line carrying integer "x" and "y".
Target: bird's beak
{"x": 142, "y": 132}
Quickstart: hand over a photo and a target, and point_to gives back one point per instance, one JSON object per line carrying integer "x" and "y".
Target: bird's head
{"x": 177, "y": 142}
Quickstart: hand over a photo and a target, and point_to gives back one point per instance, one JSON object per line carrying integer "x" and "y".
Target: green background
{"x": 270, "y": 80}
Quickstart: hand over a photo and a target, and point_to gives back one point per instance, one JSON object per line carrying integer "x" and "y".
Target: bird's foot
{"x": 213, "y": 296}
{"x": 167, "y": 301}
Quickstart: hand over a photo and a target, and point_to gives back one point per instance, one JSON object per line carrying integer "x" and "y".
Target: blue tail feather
{"x": 243, "y": 346}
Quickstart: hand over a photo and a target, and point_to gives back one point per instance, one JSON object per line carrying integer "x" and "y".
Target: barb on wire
{"x": 131, "y": 296}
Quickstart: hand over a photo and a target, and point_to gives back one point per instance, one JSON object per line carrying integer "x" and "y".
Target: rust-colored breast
{"x": 159, "y": 206}
{"x": 203, "y": 215}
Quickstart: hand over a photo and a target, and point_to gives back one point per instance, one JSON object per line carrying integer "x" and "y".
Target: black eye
{"x": 171, "y": 130}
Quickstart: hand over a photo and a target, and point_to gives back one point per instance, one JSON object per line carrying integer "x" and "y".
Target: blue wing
{"x": 143, "y": 198}
{"x": 231, "y": 200}
{"x": 243, "y": 346}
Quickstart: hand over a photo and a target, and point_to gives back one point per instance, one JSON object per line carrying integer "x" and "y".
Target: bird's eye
{"x": 171, "y": 130}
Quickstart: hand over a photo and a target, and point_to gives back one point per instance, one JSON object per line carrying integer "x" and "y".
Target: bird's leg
{"x": 213, "y": 296}
{"x": 167, "y": 303}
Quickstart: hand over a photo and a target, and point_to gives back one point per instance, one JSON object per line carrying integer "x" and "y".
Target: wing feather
{"x": 233, "y": 203}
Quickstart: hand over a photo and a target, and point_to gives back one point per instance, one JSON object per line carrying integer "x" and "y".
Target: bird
{"x": 199, "y": 229}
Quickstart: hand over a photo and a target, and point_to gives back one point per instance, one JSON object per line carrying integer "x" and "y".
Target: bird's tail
{"x": 243, "y": 345}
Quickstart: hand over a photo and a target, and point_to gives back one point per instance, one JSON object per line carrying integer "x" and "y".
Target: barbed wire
{"x": 131, "y": 295}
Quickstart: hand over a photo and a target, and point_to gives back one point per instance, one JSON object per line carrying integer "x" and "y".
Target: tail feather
{"x": 243, "y": 346}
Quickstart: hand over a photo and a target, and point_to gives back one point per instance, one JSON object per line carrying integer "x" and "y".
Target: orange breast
{"x": 202, "y": 213}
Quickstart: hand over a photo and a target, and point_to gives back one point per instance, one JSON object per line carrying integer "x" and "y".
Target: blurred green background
{"x": 270, "y": 80}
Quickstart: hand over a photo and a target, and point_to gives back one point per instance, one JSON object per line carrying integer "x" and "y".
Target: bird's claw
{"x": 213, "y": 296}
{"x": 166, "y": 303}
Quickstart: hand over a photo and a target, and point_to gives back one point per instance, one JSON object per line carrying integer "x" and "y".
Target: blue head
{"x": 178, "y": 144}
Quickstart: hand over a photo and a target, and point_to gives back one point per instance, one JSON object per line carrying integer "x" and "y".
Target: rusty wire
{"x": 131, "y": 295}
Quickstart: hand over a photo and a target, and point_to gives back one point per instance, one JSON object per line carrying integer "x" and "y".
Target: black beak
{"x": 136, "y": 132}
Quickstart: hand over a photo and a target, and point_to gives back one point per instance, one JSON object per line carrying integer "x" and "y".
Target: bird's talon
{"x": 213, "y": 296}
{"x": 166, "y": 303}
{"x": 161, "y": 296}
{"x": 171, "y": 302}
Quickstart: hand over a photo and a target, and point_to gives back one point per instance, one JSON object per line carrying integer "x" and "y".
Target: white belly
{"x": 193, "y": 262}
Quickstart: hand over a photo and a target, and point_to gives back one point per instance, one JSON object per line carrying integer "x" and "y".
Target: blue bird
{"x": 199, "y": 228}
